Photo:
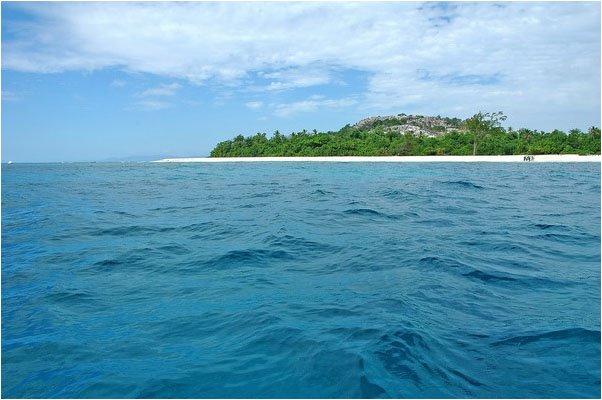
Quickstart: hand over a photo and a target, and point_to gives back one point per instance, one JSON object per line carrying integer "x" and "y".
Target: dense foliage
{"x": 480, "y": 134}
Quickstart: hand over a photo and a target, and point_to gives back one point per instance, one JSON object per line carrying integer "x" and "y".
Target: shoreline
{"x": 394, "y": 159}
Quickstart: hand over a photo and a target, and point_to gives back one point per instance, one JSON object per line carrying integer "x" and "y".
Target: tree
{"x": 482, "y": 134}
{"x": 481, "y": 124}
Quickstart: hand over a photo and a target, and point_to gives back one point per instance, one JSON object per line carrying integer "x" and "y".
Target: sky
{"x": 93, "y": 81}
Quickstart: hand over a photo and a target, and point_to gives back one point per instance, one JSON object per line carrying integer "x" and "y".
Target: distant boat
{"x": 10, "y": 162}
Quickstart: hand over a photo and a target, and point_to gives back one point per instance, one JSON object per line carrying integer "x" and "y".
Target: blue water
{"x": 301, "y": 280}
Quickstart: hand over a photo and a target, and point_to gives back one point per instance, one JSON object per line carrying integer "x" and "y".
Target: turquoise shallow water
{"x": 301, "y": 280}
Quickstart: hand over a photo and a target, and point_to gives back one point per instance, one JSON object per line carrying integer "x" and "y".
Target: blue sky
{"x": 93, "y": 81}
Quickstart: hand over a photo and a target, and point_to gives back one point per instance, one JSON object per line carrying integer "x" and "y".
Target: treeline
{"x": 350, "y": 141}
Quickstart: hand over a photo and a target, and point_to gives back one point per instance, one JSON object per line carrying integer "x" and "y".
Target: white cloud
{"x": 254, "y": 105}
{"x": 150, "y": 97}
{"x": 9, "y": 96}
{"x": 152, "y": 105}
{"x": 431, "y": 57}
{"x": 162, "y": 90}
{"x": 296, "y": 78}
{"x": 313, "y": 103}
{"x": 118, "y": 83}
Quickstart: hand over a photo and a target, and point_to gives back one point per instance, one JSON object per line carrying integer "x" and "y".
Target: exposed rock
{"x": 415, "y": 124}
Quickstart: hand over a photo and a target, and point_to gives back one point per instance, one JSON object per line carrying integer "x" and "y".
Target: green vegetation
{"x": 481, "y": 134}
{"x": 483, "y": 124}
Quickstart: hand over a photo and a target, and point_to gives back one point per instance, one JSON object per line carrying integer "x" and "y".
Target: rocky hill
{"x": 416, "y": 124}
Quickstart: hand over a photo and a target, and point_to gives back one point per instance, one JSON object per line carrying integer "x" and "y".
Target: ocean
{"x": 289, "y": 280}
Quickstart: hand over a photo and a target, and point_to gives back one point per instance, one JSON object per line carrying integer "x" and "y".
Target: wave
{"x": 173, "y": 249}
{"x": 170, "y": 209}
{"x": 485, "y": 277}
{"x": 576, "y": 238}
{"x": 137, "y": 230}
{"x": 550, "y": 226}
{"x": 321, "y": 192}
{"x": 332, "y": 312}
{"x": 368, "y": 212}
{"x": 120, "y": 213}
{"x": 496, "y": 277}
{"x": 464, "y": 184}
{"x": 397, "y": 194}
{"x": 71, "y": 297}
{"x": 247, "y": 257}
{"x": 574, "y": 334}
{"x": 300, "y": 246}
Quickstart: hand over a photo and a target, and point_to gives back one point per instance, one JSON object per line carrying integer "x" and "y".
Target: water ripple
{"x": 284, "y": 280}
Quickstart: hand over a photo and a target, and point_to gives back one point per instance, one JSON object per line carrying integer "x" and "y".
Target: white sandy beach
{"x": 396, "y": 159}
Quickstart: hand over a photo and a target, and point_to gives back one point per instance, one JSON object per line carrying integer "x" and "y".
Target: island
{"x": 415, "y": 135}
